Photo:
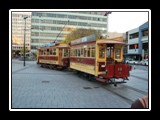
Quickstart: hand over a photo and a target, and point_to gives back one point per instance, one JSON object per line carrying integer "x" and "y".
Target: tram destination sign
{"x": 84, "y": 39}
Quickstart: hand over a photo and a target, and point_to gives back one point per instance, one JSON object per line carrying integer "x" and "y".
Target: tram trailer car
{"x": 54, "y": 56}
{"x": 101, "y": 59}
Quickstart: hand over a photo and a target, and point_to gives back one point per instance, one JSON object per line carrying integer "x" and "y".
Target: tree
{"x": 22, "y": 51}
{"x": 79, "y": 33}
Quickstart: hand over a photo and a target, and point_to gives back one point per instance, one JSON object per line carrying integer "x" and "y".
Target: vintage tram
{"x": 54, "y": 56}
{"x": 100, "y": 59}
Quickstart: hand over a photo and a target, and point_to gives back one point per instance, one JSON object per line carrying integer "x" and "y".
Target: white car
{"x": 132, "y": 62}
{"x": 144, "y": 62}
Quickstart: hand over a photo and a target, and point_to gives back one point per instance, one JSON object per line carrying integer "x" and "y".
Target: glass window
{"x": 71, "y": 52}
{"x": 88, "y": 52}
{"x": 85, "y": 52}
{"x": 118, "y": 53}
{"x": 78, "y": 52}
{"x": 93, "y": 52}
{"x": 81, "y": 52}
{"x": 50, "y": 50}
{"x": 65, "y": 52}
{"x": 101, "y": 53}
{"x": 47, "y": 51}
{"x": 54, "y": 51}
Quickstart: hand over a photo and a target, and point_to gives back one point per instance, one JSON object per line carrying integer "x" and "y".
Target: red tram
{"x": 101, "y": 59}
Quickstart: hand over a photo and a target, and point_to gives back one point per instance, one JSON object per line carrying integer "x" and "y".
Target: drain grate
{"x": 45, "y": 81}
{"x": 87, "y": 87}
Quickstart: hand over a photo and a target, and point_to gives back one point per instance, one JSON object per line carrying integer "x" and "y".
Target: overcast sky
{"x": 125, "y": 21}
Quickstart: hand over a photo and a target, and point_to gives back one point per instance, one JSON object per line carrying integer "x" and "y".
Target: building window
{"x": 145, "y": 33}
{"x": 134, "y": 35}
{"x": 133, "y": 46}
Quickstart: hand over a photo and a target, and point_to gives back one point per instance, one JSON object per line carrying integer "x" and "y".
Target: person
{"x": 140, "y": 103}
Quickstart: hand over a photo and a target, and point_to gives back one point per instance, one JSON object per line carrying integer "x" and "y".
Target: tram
{"x": 101, "y": 59}
{"x": 54, "y": 56}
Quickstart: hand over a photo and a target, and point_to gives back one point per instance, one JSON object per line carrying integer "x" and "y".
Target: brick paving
{"x": 36, "y": 87}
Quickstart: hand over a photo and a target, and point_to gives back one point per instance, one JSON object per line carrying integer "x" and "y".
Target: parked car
{"x": 144, "y": 62}
{"x": 132, "y": 61}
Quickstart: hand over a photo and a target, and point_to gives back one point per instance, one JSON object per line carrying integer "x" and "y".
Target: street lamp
{"x": 24, "y": 54}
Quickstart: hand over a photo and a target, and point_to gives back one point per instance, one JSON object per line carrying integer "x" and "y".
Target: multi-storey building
{"x": 18, "y": 29}
{"x": 138, "y": 42}
{"x": 46, "y": 26}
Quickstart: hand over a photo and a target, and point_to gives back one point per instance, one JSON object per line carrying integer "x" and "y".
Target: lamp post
{"x": 24, "y": 54}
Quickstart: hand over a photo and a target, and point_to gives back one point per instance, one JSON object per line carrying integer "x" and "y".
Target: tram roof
{"x": 111, "y": 42}
{"x": 63, "y": 45}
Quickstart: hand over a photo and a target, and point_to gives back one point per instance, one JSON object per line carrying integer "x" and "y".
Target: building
{"x": 54, "y": 26}
{"x": 138, "y": 42}
{"x": 18, "y": 26}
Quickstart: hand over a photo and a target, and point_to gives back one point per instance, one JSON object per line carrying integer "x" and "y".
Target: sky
{"x": 125, "y": 21}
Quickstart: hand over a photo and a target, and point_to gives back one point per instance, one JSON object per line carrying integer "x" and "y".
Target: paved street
{"x": 37, "y": 87}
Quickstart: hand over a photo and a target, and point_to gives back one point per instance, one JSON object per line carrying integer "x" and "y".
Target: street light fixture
{"x": 24, "y": 54}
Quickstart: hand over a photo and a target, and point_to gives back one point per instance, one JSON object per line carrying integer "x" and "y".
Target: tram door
{"x": 110, "y": 53}
{"x": 60, "y": 55}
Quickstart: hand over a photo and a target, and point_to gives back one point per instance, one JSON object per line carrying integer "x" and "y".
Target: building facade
{"x": 54, "y": 26}
{"x": 138, "y": 42}
{"x": 18, "y": 28}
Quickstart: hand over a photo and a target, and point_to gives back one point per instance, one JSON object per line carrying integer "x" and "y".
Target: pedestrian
{"x": 141, "y": 102}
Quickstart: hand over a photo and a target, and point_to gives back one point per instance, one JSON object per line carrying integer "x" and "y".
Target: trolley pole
{"x": 24, "y": 54}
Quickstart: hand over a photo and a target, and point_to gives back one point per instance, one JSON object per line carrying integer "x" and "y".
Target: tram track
{"x": 141, "y": 78}
{"x": 135, "y": 89}
{"x": 124, "y": 93}
{"x": 128, "y": 100}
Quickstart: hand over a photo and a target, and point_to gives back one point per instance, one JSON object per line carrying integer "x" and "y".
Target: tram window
{"x": 78, "y": 52}
{"x": 47, "y": 51}
{"x": 54, "y": 51}
{"x": 88, "y": 52}
{"x": 71, "y": 52}
{"x": 65, "y": 52}
{"x": 93, "y": 52}
{"x": 81, "y": 52}
{"x": 85, "y": 52}
{"x": 110, "y": 52}
{"x": 118, "y": 53}
{"x": 101, "y": 52}
{"x": 50, "y": 50}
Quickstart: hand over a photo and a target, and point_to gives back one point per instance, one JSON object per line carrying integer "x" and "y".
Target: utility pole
{"x": 24, "y": 54}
